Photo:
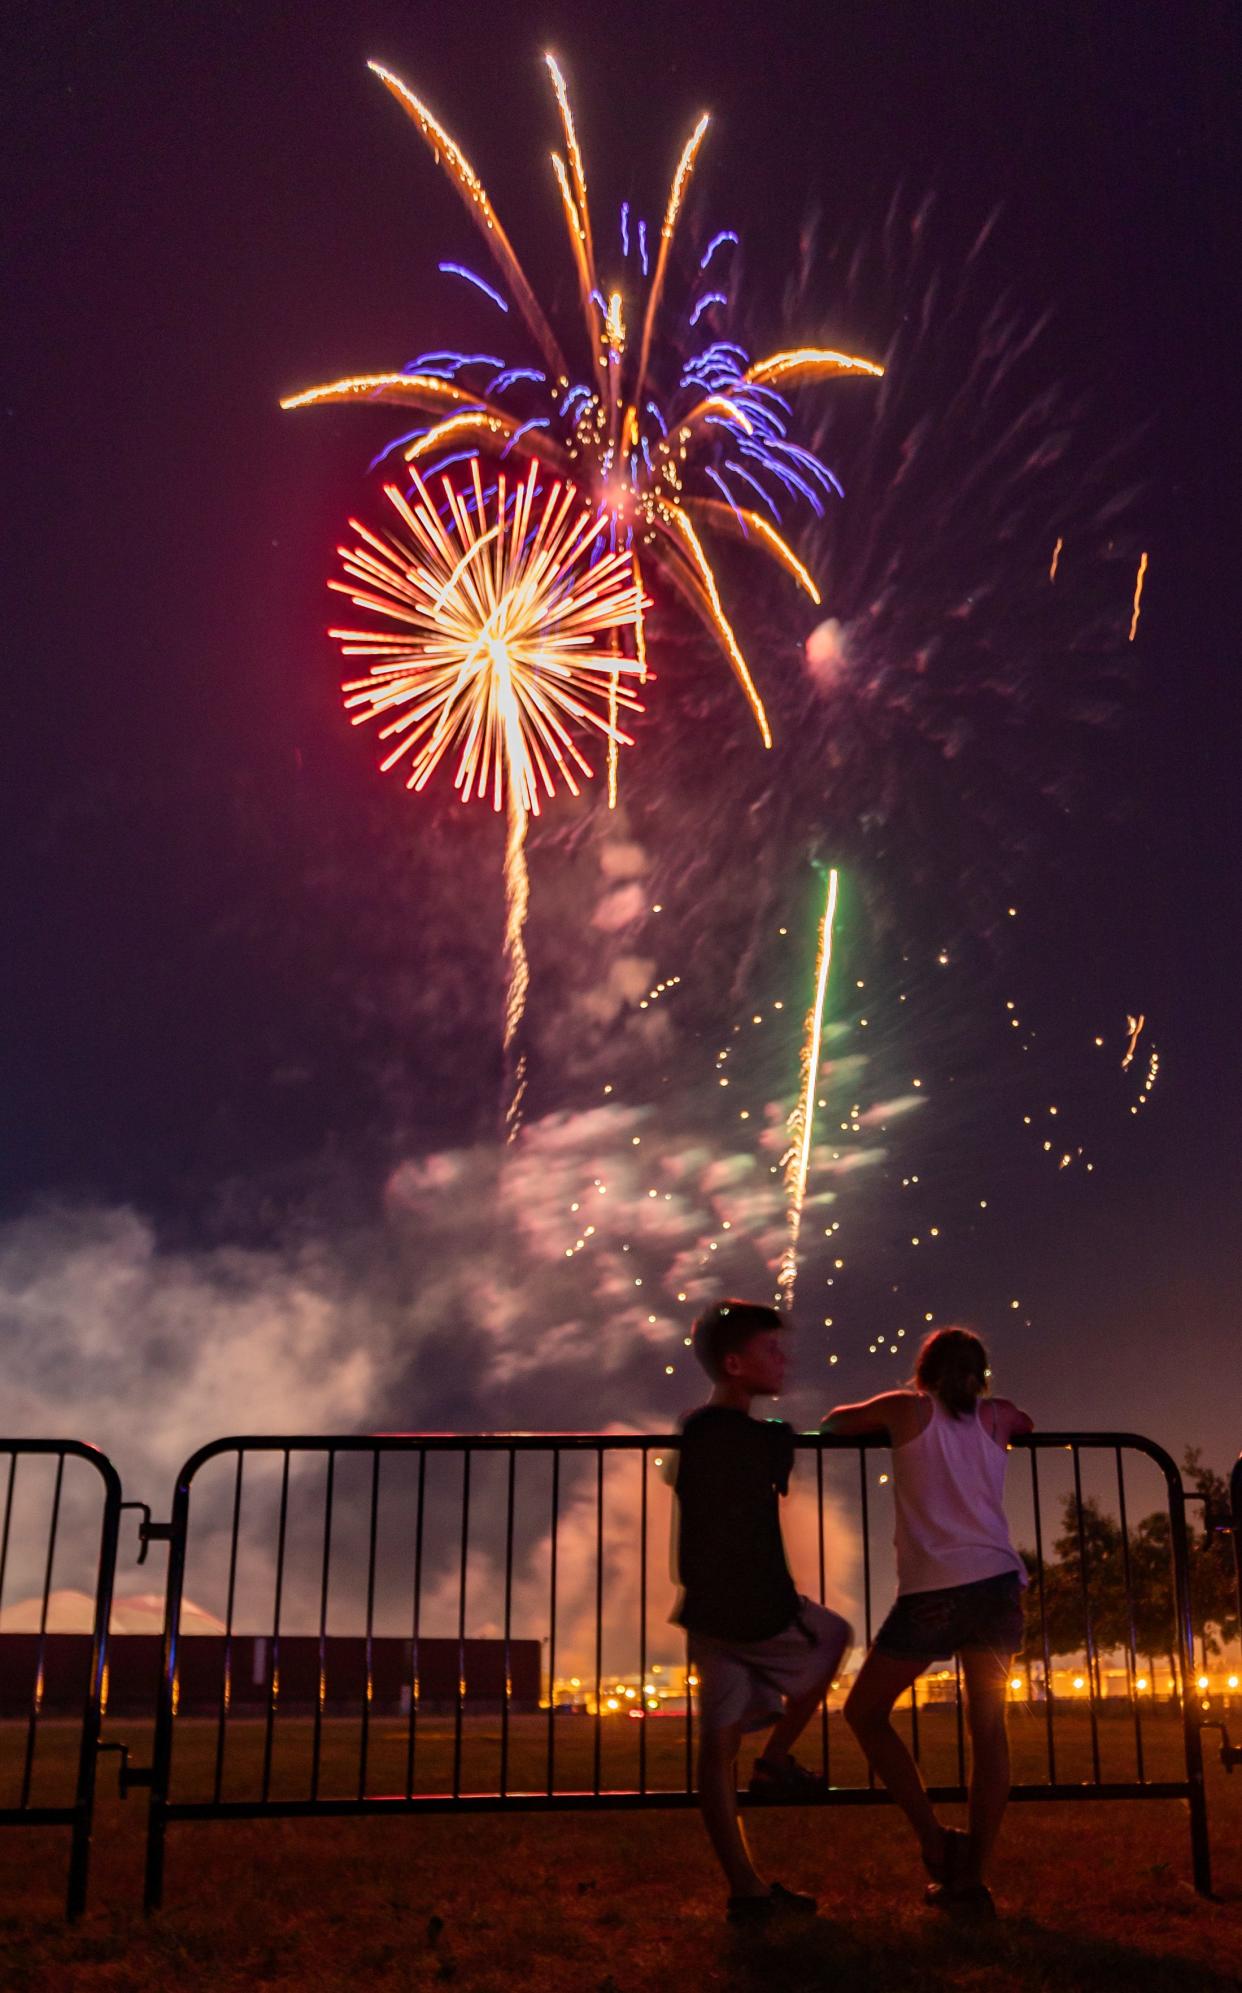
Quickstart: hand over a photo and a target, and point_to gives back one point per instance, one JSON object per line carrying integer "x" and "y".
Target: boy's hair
{"x": 953, "y": 1365}
{"x": 726, "y": 1329}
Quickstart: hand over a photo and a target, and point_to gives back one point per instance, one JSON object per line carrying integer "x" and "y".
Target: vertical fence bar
{"x": 866, "y": 1537}
{"x": 36, "y": 1694}
{"x": 689, "y": 1699}
{"x": 415, "y": 1683}
{"x": 368, "y": 1694}
{"x": 1132, "y": 1649}
{"x": 459, "y": 1705}
{"x": 1049, "y": 1731}
{"x": 166, "y": 1706}
{"x": 508, "y": 1655}
{"x": 273, "y": 1666}
{"x": 12, "y": 1475}
{"x": 1235, "y": 1504}
{"x": 8, "y": 1517}
{"x": 92, "y": 1711}
{"x": 823, "y": 1707}
{"x": 1200, "y": 1851}
{"x": 959, "y": 1716}
{"x": 642, "y": 1618}
{"x": 1088, "y": 1621}
{"x": 226, "y": 1671}
{"x": 599, "y": 1617}
{"x": 556, "y": 1507}
{"x": 321, "y": 1681}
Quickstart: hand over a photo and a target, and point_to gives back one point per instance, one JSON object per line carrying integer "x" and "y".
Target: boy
{"x": 763, "y": 1654}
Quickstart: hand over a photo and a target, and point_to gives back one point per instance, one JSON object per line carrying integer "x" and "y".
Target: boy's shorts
{"x": 748, "y": 1683}
{"x": 933, "y": 1626}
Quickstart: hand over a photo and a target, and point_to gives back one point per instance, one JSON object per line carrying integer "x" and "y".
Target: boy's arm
{"x": 783, "y": 1454}
{"x": 887, "y": 1413}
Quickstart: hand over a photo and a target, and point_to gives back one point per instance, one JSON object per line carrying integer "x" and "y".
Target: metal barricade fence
{"x": 49, "y": 1781}
{"x": 382, "y": 1548}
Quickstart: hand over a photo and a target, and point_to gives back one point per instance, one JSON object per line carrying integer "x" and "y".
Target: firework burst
{"x": 496, "y": 654}
{"x": 664, "y": 444}
{"x": 497, "y": 610}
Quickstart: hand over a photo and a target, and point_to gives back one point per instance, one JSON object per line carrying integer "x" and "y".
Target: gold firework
{"x": 499, "y": 645}
{"x": 644, "y": 454}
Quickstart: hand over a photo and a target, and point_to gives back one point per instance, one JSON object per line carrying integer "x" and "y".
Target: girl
{"x": 959, "y": 1591}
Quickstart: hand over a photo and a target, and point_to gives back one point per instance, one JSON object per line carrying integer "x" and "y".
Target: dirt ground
{"x": 1092, "y": 1894}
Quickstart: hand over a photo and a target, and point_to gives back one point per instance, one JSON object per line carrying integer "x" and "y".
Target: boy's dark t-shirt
{"x": 731, "y": 1473}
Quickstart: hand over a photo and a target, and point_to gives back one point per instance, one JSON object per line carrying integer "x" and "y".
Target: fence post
{"x": 92, "y": 1715}
{"x": 1235, "y": 1501}
{"x": 79, "y": 1816}
{"x": 165, "y": 1709}
{"x": 1200, "y": 1850}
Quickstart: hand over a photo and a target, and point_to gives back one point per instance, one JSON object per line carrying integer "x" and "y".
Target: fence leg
{"x": 1200, "y": 1847}
{"x": 165, "y": 1711}
{"x": 79, "y": 1861}
{"x": 153, "y": 1888}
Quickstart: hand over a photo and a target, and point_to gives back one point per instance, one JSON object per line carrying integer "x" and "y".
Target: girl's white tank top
{"x": 949, "y": 1489}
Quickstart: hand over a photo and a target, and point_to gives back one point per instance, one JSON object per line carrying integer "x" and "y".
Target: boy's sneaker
{"x": 972, "y": 1904}
{"x": 785, "y": 1784}
{"x": 761, "y": 1909}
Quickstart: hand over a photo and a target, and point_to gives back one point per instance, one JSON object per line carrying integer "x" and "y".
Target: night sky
{"x": 251, "y": 1059}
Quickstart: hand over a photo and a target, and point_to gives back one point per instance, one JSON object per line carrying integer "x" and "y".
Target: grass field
{"x": 1093, "y": 1895}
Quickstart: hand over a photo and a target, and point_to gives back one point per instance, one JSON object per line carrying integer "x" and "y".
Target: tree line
{"x": 1128, "y": 1587}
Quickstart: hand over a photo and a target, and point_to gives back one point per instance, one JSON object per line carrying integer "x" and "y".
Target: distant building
{"x": 134, "y": 1661}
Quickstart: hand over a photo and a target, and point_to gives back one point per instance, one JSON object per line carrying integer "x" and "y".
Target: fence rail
{"x": 551, "y": 1529}
{"x": 75, "y": 1811}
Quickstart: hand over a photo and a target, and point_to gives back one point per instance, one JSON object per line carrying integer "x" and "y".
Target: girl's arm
{"x": 880, "y": 1414}
{"x": 1014, "y": 1421}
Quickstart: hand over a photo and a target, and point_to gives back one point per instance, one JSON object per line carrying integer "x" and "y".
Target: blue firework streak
{"x": 652, "y": 427}
{"x": 957, "y": 700}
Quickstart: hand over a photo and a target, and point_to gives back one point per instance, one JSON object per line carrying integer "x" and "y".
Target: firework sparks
{"x": 802, "y": 1119}
{"x": 1134, "y": 1027}
{"x": 642, "y": 432}
{"x": 1056, "y": 558}
{"x": 1138, "y": 596}
{"x": 517, "y": 903}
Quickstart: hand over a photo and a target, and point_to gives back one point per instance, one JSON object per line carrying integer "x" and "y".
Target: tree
{"x": 1213, "y": 1586}
{"x": 1146, "y": 1609}
{"x": 1155, "y": 1597}
{"x": 1092, "y": 1539}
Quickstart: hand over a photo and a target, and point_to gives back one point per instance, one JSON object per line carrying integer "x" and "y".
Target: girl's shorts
{"x": 933, "y": 1626}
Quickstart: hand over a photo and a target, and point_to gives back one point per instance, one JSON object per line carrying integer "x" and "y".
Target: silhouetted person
{"x": 959, "y": 1591}
{"x": 764, "y": 1655}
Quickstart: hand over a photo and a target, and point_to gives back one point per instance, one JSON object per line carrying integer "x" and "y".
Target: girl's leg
{"x": 881, "y": 1679}
{"x": 987, "y": 1677}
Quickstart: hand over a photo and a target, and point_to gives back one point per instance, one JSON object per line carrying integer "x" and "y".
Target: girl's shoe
{"x": 972, "y": 1904}
{"x": 953, "y": 1869}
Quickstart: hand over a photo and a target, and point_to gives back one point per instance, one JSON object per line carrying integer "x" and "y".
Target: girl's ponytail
{"x": 953, "y": 1365}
